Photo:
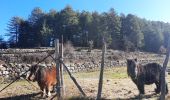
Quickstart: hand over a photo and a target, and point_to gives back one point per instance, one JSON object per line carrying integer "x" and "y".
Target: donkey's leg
{"x": 141, "y": 88}
{"x": 44, "y": 92}
{"x": 53, "y": 89}
{"x": 43, "y": 89}
{"x": 158, "y": 87}
{"x": 49, "y": 88}
{"x": 166, "y": 88}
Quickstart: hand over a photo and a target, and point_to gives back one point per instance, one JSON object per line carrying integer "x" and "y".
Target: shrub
{"x": 68, "y": 49}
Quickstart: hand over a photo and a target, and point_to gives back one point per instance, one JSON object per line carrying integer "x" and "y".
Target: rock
{"x": 27, "y": 68}
{"x": 11, "y": 65}
{"x": 0, "y": 73}
{"x": 5, "y": 65}
{"x": 1, "y": 79}
{"x": 17, "y": 70}
{"x": 6, "y": 76}
{"x": 16, "y": 75}
{"x": 19, "y": 66}
{"x": 2, "y": 62}
{"x": 5, "y": 72}
{"x": 2, "y": 68}
{"x": 28, "y": 65}
{"x": 22, "y": 70}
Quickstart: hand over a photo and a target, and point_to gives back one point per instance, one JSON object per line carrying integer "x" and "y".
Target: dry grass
{"x": 116, "y": 86}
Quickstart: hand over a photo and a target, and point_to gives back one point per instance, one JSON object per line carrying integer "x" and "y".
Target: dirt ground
{"x": 116, "y": 86}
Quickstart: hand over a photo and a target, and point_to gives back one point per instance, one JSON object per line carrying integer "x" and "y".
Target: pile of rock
{"x": 11, "y": 71}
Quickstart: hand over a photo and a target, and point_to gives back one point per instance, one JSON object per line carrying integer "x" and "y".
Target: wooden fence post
{"x": 101, "y": 72}
{"x": 163, "y": 82}
{"x": 61, "y": 68}
{"x": 57, "y": 69}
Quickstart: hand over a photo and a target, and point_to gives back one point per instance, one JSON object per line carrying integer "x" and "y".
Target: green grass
{"x": 113, "y": 73}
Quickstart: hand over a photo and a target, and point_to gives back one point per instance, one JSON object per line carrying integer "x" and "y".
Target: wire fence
{"x": 80, "y": 64}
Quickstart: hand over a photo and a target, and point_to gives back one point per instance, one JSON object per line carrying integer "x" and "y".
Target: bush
{"x": 68, "y": 49}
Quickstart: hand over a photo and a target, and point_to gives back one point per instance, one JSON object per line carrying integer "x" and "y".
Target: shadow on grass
{"x": 132, "y": 98}
{"x": 139, "y": 97}
{"x": 84, "y": 98}
{"x": 35, "y": 96}
{"x": 22, "y": 97}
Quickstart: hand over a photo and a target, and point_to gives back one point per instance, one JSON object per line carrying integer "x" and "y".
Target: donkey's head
{"x": 132, "y": 67}
{"x": 33, "y": 72}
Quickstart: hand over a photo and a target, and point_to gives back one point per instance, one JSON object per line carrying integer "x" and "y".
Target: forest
{"x": 82, "y": 28}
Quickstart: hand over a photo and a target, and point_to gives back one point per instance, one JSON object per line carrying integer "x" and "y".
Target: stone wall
{"x": 11, "y": 71}
{"x": 77, "y": 61}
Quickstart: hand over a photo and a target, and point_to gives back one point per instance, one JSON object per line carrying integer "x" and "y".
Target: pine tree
{"x": 114, "y": 25}
{"x": 85, "y": 19}
{"x": 13, "y": 30}
{"x": 36, "y": 21}
{"x": 68, "y": 20}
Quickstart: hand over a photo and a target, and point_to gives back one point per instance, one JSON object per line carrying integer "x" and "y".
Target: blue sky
{"x": 149, "y": 9}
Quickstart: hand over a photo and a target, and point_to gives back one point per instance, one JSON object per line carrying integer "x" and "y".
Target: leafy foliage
{"x": 123, "y": 32}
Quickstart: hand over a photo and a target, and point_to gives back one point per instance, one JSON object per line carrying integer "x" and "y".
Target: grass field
{"x": 114, "y": 73}
{"x": 116, "y": 85}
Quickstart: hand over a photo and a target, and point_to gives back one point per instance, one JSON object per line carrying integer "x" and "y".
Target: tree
{"x": 36, "y": 20}
{"x": 133, "y": 32}
{"x": 45, "y": 34}
{"x": 53, "y": 23}
{"x": 120, "y": 32}
{"x": 94, "y": 30}
{"x": 13, "y": 29}
{"x": 3, "y": 44}
{"x": 153, "y": 40}
{"x": 104, "y": 31}
{"x": 1, "y": 39}
{"x": 114, "y": 27}
{"x": 153, "y": 36}
{"x": 85, "y": 19}
{"x": 26, "y": 36}
{"x": 68, "y": 22}
{"x": 35, "y": 16}
{"x": 166, "y": 36}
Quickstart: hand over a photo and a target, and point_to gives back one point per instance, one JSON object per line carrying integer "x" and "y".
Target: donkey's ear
{"x": 136, "y": 59}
